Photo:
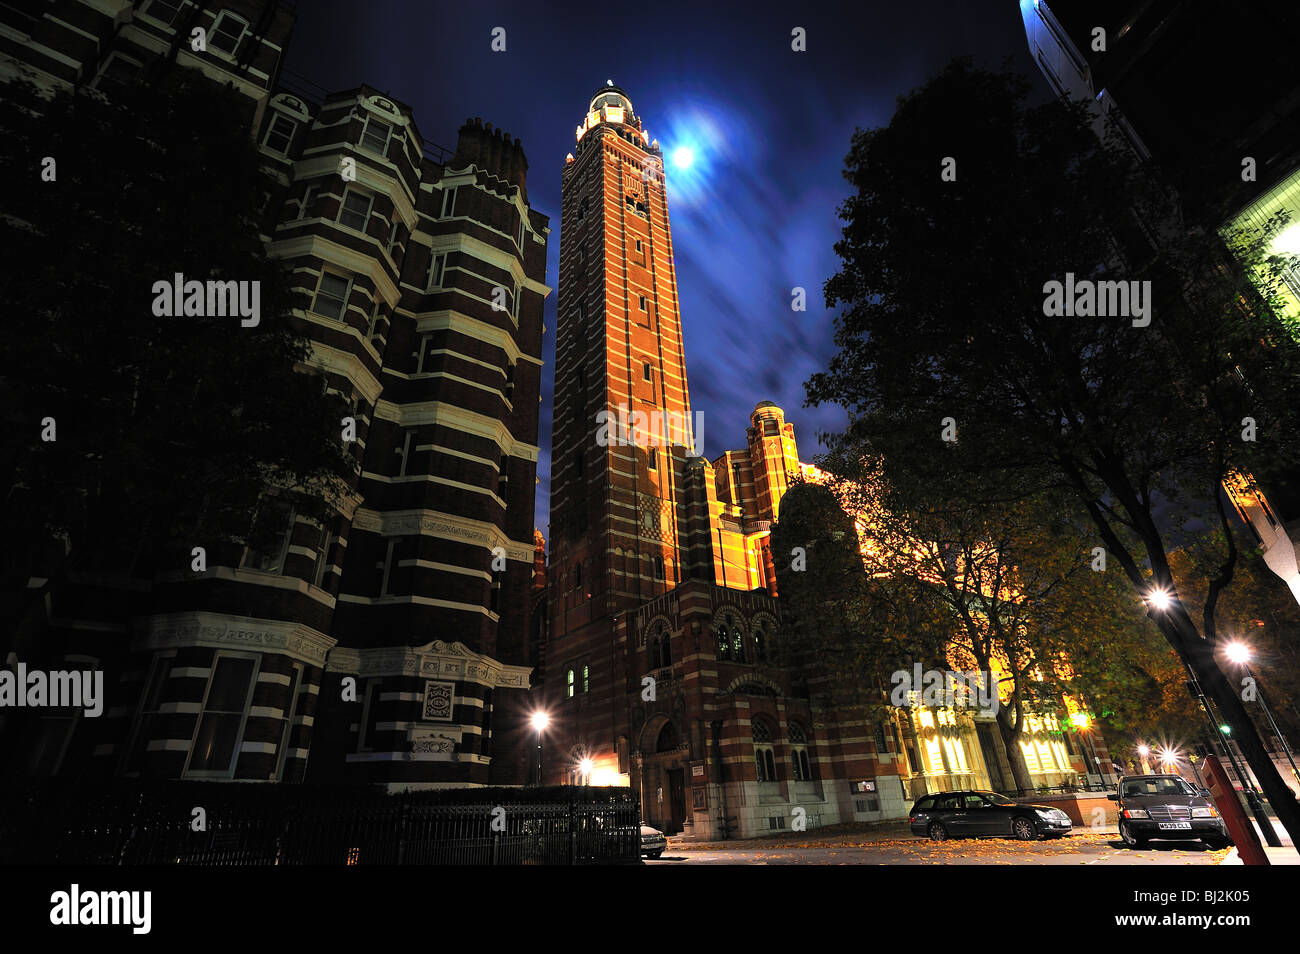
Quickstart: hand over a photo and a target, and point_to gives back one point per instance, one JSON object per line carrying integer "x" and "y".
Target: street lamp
{"x": 540, "y": 721}
{"x": 585, "y": 766}
{"x": 1159, "y": 599}
{"x": 1169, "y": 759}
{"x": 1143, "y": 751}
{"x": 1080, "y": 720}
{"x": 1239, "y": 653}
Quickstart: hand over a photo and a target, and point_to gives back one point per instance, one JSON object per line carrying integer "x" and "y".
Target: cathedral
{"x": 657, "y": 663}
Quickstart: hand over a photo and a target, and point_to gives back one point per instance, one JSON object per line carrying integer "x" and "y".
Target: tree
{"x": 960, "y": 365}
{"x": 168, "y": 430}
{"x": 848, "y": 627}
{"x": 1020, "y": 592}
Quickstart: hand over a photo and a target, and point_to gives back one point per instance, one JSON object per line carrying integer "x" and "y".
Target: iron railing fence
{"x": 268, "y": 824}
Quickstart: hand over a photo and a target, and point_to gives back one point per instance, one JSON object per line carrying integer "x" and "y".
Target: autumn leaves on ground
{"x": 894, "y": 844}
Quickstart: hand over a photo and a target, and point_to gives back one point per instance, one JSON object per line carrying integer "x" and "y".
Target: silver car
{"x": 653, "y": 842}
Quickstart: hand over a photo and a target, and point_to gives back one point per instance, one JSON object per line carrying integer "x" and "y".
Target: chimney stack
{"x": 492, "y": 150}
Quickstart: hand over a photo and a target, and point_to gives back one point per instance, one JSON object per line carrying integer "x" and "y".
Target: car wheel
{"x": 654, "y": 854}
{"x": 1215, "y": 842}
{"x": 1024, "y": 830}
{"x": 938, "y": 832}
{"x": 1130, "y": 839}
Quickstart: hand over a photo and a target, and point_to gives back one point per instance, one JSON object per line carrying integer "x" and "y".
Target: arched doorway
{"x": 663, "y": 776}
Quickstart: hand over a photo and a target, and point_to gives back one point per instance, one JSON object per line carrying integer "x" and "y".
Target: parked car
{"x": 1166, "y": 806}
{"x": 653, "y": 842}
{"x": 945, "y": 815}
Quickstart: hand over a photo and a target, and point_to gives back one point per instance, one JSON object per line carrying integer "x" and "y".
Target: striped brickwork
{"x": 420, "y": 277}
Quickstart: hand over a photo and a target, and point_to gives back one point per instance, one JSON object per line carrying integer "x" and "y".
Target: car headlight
{"x": 1206, "y": 812}
{"x": 1136, "y": 813}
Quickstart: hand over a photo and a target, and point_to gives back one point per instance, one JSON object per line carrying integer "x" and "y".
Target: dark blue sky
{"x": 754, "y": 216}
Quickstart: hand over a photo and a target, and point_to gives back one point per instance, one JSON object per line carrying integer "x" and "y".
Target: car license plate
{"x": 1175, "y": 826}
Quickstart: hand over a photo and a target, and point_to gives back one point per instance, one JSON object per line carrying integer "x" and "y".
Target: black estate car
{"x": 945, "y": 815}
{"x": 1166, "y": 806}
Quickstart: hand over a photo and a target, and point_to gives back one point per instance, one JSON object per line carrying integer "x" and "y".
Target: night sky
{"x": 754, "y": 215}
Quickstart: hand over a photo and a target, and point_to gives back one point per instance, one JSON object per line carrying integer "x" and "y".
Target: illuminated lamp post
{"x": 540, "y": 721}
{"x": 1159, "y": 600}
{"x": 1239, "y": 653}
{"x": 1080, "y": 720}
{"x": 1169, "y": 761}
{"x": 1143, "y": 752}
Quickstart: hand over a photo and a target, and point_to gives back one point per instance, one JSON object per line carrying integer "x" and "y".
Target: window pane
{"x": 330, "y": 299}
{"x": 280, "y": 134}
{"x": 153, "y": 692}
{"x": 215, "y": 745}
{"x": 229, "y": 685}
{"x": 51, "y": 738}
{"x": 118, "y": 73}
{"x": 291, "y": 705}
{"x": 375, "y": 136}
{"x": 164, "y": 10}
{"x": 356, "y": 211}
{"x": 226, "y": 33}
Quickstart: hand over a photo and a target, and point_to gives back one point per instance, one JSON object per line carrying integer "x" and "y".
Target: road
{"x": 887, "y": 847}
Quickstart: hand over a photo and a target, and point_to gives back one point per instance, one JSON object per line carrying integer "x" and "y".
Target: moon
{"x": 683, "y": 156}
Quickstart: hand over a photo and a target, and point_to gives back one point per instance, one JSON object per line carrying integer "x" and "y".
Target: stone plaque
{"x": 438, "y": 701}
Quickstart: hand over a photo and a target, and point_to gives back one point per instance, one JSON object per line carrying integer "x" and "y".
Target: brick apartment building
{"x": 422, "y": 280}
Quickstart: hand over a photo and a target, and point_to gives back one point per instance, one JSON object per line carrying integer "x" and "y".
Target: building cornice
{"x": 435, "y": 659}
{"x": 224, "y": 631}
{"x": 395, "y": 523}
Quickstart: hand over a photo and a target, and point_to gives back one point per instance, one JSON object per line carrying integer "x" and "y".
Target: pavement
{"x": 1286, "y": 855}
{"x": 892, "y": 843}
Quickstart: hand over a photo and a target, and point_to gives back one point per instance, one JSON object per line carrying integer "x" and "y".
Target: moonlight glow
{"x": 683, "y": 156}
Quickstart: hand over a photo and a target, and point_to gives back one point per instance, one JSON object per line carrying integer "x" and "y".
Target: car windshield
{"x": 1162, "y": 785}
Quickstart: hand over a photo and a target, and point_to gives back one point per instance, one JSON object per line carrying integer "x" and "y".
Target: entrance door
{"x": 676, "y": 799}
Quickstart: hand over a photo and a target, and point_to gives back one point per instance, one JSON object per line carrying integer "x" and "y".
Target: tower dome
{"x": 611, "y": 95}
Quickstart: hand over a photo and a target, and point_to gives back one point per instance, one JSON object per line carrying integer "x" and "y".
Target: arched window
{"x": 568, "y": 684}
{"x": 737, "y": 644}
{"x": 667, "y": 740}
{"x": 799, "y": 753}
{"x": 586, "y": 679}
{"x": 764, "y": 755}
{"x": 760, "y": 643}
{"x": 660, "y": 653}
{"x": 724, "y": 641}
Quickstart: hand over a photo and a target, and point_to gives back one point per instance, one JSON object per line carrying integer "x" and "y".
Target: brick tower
{"x": 616, "y": 531}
